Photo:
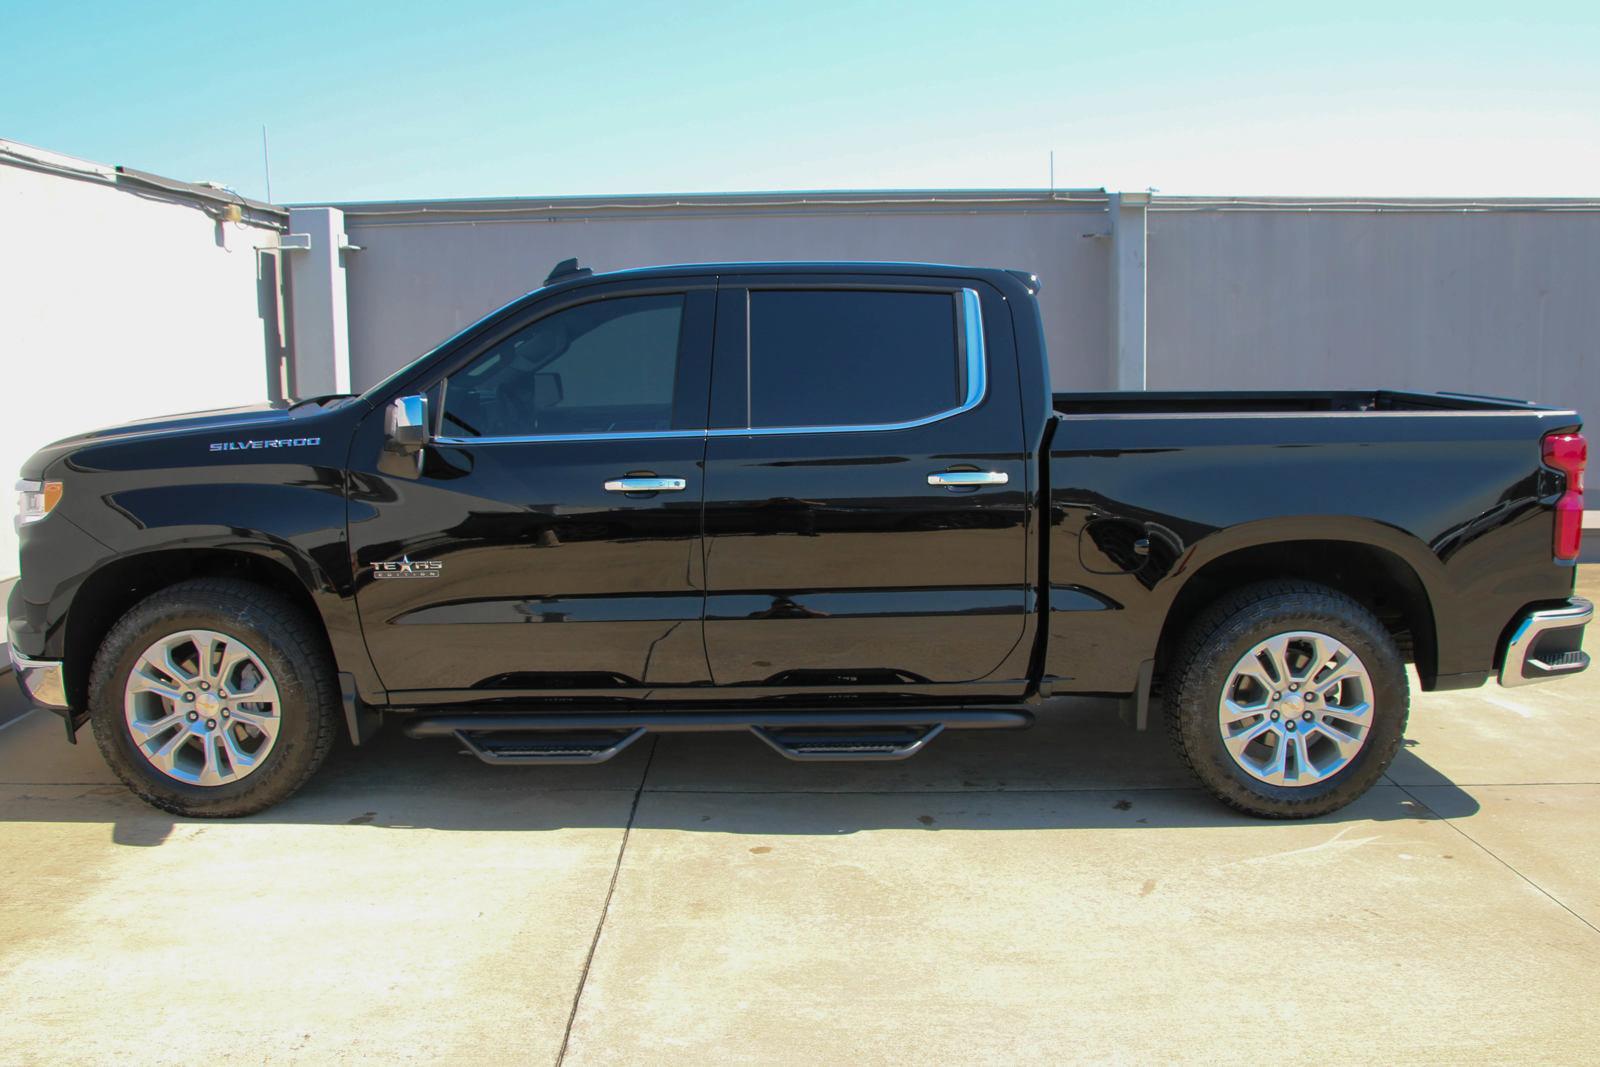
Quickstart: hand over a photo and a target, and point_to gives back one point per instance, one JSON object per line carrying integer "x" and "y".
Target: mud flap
{"x": 360, "y": 718}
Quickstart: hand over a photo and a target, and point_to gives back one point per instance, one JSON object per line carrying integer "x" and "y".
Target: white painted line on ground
{"x": 1509, "y": 705}
{"x": 18, "y": 719}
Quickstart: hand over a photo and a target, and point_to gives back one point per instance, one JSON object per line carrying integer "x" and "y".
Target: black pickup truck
{"x": 835, "y": 505}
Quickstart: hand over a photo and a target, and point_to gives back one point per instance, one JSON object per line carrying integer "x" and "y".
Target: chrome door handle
{"x": 965, "y": 479}
{"x": 646, "y": 485}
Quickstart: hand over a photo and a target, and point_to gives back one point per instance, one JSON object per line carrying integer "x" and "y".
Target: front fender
{"x": 290, "y": 517}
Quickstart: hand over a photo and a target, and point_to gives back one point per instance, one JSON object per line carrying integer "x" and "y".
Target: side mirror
{"x": 407, "y": 424}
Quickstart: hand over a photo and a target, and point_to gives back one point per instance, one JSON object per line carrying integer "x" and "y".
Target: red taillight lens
{"x": 1567, "y": 453}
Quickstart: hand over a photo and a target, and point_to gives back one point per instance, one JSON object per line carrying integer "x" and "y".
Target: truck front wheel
{"x": 214, "y": 698}
{"x": 1287, "y": 699}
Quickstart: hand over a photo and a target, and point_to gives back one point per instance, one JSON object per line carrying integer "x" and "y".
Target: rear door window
{"x": 825, "y": 357}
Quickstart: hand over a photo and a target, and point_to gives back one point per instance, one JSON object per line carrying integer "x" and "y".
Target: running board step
{"x": 545, "y": 748}
{"x": 1576, "y": 660}
{"x": 845, "y": 745}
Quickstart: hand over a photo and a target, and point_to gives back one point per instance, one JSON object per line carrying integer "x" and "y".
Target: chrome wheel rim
{"x": 1296, "y": 709}
{"x": 202, "y": 707}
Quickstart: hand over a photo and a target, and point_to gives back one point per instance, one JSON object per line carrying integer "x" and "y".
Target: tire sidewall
{"x": 1204, "y": 685}
{"x": 291, "y": 753}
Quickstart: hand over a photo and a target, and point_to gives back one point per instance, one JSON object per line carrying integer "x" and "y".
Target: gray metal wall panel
{"x": 1505, "y": 303}
{"x": 416, "y": 283}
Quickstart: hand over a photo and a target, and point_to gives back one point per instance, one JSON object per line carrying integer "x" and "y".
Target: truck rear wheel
{"x": 214, "y": 698}
{"x": 1288, "y": 700}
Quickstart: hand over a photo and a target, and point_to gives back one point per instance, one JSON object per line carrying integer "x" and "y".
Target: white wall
{"x": 116, "y": 307}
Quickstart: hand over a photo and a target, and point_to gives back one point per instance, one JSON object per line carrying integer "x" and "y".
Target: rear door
{"x": 548, "y": 540}
{"x": 865, "y": 484}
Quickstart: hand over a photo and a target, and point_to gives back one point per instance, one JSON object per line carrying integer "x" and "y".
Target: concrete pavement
{"x": 1064, "y": 894}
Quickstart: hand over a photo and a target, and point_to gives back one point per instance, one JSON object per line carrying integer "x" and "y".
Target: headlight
{"x": 35, "y": 500}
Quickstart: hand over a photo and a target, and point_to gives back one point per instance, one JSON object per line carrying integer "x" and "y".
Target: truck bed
{"x": 1275, "y": 402}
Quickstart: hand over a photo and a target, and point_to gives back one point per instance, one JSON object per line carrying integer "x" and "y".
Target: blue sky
{"x": 406, "y": 100}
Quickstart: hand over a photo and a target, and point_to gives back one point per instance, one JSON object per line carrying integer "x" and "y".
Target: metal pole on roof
{"x": 1128, "y": 354}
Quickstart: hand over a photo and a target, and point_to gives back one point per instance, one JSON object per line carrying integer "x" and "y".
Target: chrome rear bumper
{"x": 40, "y": 679}
{"x": 1547, "y": 644}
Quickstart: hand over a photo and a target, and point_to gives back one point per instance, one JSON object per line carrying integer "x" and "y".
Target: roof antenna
{"x": 1052, "y": 173}
{"x": 567, "y": 269}
{"x": 266, "y": 162}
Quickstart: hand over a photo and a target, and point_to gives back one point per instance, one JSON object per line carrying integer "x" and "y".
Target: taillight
{"x": 1567, "y": 453}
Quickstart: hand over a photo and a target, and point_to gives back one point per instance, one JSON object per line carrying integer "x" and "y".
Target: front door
{"x": 548, "y": 539}
{"x": 866, "y": 485}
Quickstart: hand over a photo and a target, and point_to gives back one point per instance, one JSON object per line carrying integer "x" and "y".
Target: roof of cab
{"x": 577, "y": 276}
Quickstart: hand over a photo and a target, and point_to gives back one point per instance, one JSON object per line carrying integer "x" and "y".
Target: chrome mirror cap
{"x": 407, "y": 424}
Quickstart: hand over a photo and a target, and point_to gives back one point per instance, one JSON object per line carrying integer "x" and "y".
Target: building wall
{"x": 115, "y": 306}
{"x": 1504, "y": 302}
{"x": 419, "y": 279}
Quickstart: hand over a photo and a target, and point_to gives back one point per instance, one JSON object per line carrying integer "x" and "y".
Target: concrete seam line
{"x": 605, "y": 911}
{"x": 1494, "y": 856}
{"x": 18, "y": 719}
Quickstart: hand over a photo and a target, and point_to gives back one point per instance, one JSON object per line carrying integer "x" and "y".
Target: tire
{"x": 259, "y": 766}
{"x": 1278, "y": 774}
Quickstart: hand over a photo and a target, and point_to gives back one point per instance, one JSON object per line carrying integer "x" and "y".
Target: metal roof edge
{"x": 16, "y": 153}
{"x": 637, "y": 202}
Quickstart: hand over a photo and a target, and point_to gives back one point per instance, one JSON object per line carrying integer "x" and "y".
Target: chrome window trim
{"x": 627, "y": 435}
{"x": 975, "y": 359}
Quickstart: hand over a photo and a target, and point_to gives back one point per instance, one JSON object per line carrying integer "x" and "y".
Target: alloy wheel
{"x": 202, "y": 707}
{"x": 1296, "y": 709}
